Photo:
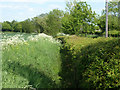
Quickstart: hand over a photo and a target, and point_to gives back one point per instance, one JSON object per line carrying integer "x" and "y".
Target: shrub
{"x": 91, "y": 63}
{"x": 113, "y": 33}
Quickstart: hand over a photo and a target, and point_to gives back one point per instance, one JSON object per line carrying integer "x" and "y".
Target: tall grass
{"x": 35, "y": 63}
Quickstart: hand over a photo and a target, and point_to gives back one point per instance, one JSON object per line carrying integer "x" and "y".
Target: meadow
{"x": 67, "y": 61}
{"x": 30, "y": 60}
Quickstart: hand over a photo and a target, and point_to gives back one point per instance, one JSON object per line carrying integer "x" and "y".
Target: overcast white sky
{"x": 23, "y": 9}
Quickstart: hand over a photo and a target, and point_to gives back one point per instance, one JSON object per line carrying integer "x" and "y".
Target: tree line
{"x": 77, "y": 19}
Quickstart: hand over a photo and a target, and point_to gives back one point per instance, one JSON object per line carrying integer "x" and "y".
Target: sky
{"x": 20, "y": 10}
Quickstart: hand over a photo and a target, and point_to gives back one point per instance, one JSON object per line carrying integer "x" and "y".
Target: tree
{"x": 12, "y": 26}
{"x": 112, "y": 16}
{"x": 53, "y": 22}
{"x": 113, "y": 7}
{"x": 40, "y": 23}
{"x": 27, "y": 26}
{"x": 6, "y": 27}
{"x": 79, "y": 18}
{"x": 13, "y": 23}
{"x": 0, "y": 26}
{"x": 18, "y": 27}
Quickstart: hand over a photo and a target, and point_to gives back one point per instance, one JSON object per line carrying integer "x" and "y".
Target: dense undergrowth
{"x": 90, "y": 63}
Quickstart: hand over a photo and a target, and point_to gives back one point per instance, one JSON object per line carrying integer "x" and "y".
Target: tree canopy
{"x": 79, "y": 18}
{"x": 112, "y": 17}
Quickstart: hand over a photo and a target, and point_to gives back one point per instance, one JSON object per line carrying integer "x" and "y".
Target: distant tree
{"x": 18, "y": 27}
{"x": 27, "y": 26}
{"x": 42, "y": 15}
{"x": 40, "y": 23}
{"x": 0, "y": 26}
{"x": 79, "y": 18}
{"x": 6, "y": 27}
{"x": 53, "y": 22}
{"x": 13, "y": 24}
{"x": 113, "y": 7}
{"x": 113, "y": 17}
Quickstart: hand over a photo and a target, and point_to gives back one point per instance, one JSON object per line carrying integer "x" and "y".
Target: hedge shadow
{"x": 35, "y": 77}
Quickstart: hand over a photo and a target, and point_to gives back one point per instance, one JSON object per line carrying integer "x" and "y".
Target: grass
{"x": 41, "y": 62}
{"x": 32, "y": 64}
{"x": 10, "y": 34}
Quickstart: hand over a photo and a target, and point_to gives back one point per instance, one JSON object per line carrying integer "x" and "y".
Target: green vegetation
{"x": 113, "y": 22}
{"x": 77, "y": 19}
{"x": 113, "y": 33}
{"x": 90, "y": 63}
{"x": 32, "y": 64}
{"x": 81, "y": 62}
{"x": 53, "y": 22}
{"x": 77, "y": 57}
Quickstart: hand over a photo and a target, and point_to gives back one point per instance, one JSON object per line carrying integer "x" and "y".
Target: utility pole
{"x": 119, "y": 14}
{"x": 106, "y": 19}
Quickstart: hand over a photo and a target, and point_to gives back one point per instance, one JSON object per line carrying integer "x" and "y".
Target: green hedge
{"x": 90, "y": 63}
{"x": 113, "y": 33}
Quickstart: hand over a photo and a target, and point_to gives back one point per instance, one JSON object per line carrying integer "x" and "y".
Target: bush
{"x": 91, "y": 63}
{"x": 113, "y": 33}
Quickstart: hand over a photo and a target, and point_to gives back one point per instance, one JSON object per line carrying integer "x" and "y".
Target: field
{"x": 30, "y": 61}
{"x": 41, "y": 61}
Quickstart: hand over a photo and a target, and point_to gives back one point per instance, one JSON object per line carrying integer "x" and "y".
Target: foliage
{"x": 112, "y": 8}
{"x": 13, "y": 26}
{"x": 6, "y": 26}
{"x": 27, "y": 26}
{"x": 79, "y": 18}
{"x": 18, "y": 27}
{"x": 40, "y": 23}
{"x": 0, "y": 26}
{"x": 90, "y": 63}
{"x": 53, "y": 22}
{"x": 113, "y": 22}
{"x": 113, "y": 33}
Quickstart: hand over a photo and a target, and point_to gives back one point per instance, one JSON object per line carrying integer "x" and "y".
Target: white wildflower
{"x": 19, "y": 39}
{"x": 43, "y": 36}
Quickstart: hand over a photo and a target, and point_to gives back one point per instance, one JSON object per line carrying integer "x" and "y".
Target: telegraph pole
{"x": 106, "y": 19}
{"x": 119, "y": 14}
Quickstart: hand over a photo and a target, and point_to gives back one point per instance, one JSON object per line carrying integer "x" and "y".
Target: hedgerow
{"x": 90, "y": 63}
